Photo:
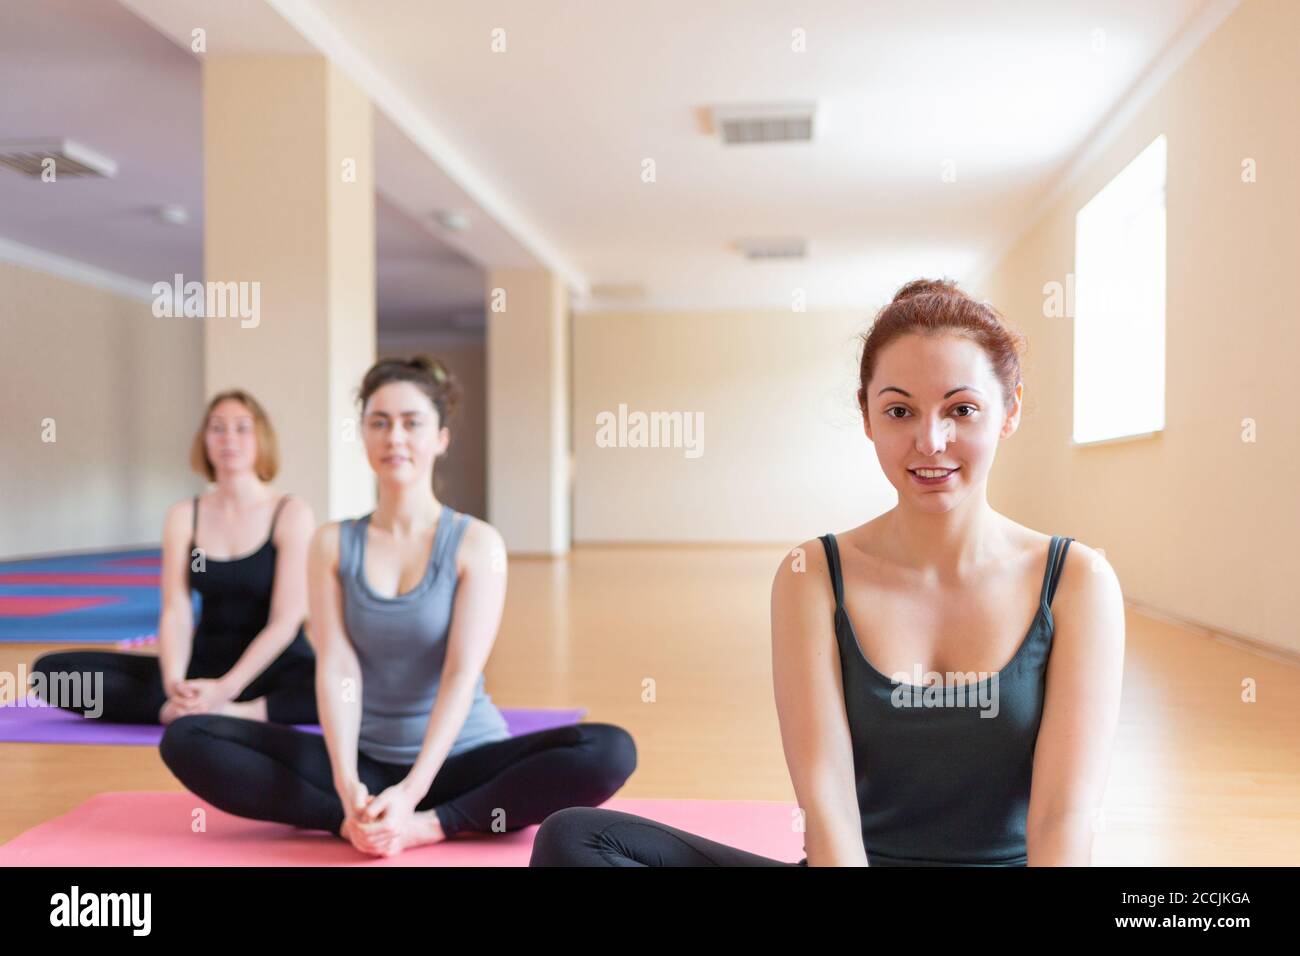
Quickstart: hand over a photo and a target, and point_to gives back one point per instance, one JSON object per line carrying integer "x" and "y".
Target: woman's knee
{"x": 613, "y": 752}
{"x": 41, "y": 668}
{"x": 183, "y": 740}
{"x": 52, "y": 663}
{"x": 567, "y": 837}
{"x": 51, "y": 671}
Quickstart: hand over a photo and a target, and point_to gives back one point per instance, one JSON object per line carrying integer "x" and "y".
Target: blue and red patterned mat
{"x": 102, "y": 598}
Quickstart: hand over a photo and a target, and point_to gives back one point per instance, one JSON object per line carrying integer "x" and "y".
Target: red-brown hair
{"x": 935, "y": 307}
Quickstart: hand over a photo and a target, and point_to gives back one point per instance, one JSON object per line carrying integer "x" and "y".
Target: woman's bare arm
{"x": 338, "y": 673}
{"x": 810, "y": 707}
{"x": 293, "y": 534}
{"x": 476, "y": 617}
{"x": 1080, "y": 711}
{"x": 176, "y": 617}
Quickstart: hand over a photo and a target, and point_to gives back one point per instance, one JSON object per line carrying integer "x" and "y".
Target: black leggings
{"x": 583, "y": 836}
{"x": 133, "y": 689}
{"x": 267, "y": 772}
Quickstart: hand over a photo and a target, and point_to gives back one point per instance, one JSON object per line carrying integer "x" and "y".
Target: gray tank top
{"x": 401, "y": 643}
{"x": 943, "y": 775}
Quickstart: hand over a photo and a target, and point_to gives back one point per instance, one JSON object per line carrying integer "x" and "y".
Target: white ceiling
{"x": 92, "y": 71}
{"x": 542, "y": 145}
{"x": 560, "y": 123}
{"x": 95, "y": 74}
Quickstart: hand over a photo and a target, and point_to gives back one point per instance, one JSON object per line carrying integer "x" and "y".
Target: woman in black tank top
{"x": 432, "y": 774}
{"x": 910, "y": 766}
{"x": 248, "y": 655}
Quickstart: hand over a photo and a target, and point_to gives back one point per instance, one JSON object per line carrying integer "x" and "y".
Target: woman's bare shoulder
{"x": 296, "y": 509}
{"x": 180, "y": 516}
{"x": 1086, "y": 578}
{"x": 325, "y": 540}
{"x": 481, "y": 545}
{"x": 1024, "y": 542}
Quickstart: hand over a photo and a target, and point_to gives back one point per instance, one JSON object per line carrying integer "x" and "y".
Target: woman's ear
{"x": 1012, "y": 420}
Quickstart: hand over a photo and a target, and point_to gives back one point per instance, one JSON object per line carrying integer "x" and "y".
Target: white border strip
{"x": 75, "y": 270}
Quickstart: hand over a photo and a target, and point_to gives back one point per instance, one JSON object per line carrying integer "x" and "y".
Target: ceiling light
{"x": 451, "y": 221}
{"x": 174, "y": 214}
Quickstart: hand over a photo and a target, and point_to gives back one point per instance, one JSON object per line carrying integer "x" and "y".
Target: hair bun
{"x": 929, "y": 287}
{"x": 432, "y": 366}
{"x": 433, "y": 377}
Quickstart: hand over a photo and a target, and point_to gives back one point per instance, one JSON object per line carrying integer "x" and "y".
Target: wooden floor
{"x": 1198, "y": 776}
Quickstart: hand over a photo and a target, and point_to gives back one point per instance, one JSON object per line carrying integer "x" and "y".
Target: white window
{"x": 1119, "y": 306}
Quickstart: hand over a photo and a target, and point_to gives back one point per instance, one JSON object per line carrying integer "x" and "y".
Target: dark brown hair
{"x": 425, "y": 372}
{"x": 938, "y": 306}
{"x": 268, "y": 454}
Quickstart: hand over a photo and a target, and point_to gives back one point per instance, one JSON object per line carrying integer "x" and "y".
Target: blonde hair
{"x": 268, "y": 455}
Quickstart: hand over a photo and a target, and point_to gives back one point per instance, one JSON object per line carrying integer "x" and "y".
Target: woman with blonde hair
{"x": 405, "y": 606}
{"x": 243, "y": 547}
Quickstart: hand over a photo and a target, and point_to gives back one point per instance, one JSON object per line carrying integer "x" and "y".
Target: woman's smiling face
{"x": 934, "y": 402}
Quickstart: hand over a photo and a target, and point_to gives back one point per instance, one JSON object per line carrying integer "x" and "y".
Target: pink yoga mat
{"x": 39, "y": 723}
{"x": 148, "y": 828}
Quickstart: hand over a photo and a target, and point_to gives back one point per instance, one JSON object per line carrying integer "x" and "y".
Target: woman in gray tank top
{"x": 931, "y": 765}
{"x": 404, "y": 607}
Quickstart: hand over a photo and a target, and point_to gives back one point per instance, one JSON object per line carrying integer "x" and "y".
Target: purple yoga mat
{"x": 39, "y": 723}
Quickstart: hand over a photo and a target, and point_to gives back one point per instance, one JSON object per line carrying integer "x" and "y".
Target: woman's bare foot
{"x": 248, "y": 709}
{"x": 423, "y": 829}
{"x": 169, "y": 712}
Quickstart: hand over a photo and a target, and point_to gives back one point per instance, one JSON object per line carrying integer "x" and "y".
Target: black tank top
{"x": 236, "y": 604}
{"x": 943, "y": 773}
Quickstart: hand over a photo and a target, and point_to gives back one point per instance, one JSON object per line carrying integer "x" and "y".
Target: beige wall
{"x": 279, "y": 212}
{"x": 528, "y": 409}
{"x": 1197, "y": 523}
{"x": 460, "y": 475}
{"x": 125, "y": 390}
{"x": 783, "y": 456}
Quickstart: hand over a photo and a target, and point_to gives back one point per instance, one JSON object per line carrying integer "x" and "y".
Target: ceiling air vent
{"x": 29, "y": 156}
{"x": 773, "y": 248}
{"x": 771, "y": 123}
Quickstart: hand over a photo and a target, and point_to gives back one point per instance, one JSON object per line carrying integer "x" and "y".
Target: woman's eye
{"x": 900, "y": 408}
